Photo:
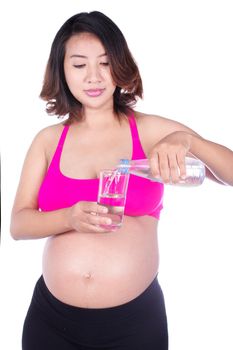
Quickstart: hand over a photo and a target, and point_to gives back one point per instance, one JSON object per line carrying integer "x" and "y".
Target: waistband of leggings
{"x": 138, "y": 304}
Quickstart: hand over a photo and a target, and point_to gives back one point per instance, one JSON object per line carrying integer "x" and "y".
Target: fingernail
{"x": 108, "y": 221}
{"x": 104, "y": 209}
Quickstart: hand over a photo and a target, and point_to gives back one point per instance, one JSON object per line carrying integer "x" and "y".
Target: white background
{"x": 185, "y": 53}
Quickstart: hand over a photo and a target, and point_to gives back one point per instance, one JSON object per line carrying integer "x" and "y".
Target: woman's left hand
{"x": 167, "y": 157}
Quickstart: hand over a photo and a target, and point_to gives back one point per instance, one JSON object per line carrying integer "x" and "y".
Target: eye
{"x": 104, "y": 63}
{"x": 79, "y": 65}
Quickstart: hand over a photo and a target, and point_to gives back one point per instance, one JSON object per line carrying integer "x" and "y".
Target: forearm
{"x": 217, "y": 158}
{"x": 33, "y": 224}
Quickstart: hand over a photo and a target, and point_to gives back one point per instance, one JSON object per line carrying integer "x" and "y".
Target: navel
{"x": 87, "y": 275}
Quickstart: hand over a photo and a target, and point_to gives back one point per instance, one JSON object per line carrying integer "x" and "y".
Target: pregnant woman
{"x": 99, "y": 289}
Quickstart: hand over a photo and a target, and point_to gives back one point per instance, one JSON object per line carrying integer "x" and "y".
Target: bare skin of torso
{"x": 98, "y": 270}
{"x": 102, "y": 270}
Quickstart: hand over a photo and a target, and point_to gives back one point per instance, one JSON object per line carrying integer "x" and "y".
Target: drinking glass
{"x": 112, "y": 194}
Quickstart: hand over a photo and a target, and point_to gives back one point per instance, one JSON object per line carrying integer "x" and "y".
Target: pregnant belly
{"x": 101, "y": 270}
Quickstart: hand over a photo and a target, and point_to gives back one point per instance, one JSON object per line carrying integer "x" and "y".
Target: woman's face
{"x": 87, "y": 71}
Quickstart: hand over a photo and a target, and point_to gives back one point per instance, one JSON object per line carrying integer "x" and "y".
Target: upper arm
{"x": 153, "y": 128}
{"x": 33, "y": 171}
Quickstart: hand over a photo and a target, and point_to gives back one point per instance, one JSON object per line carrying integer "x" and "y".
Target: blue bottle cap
{"x": 124, "y": 161}
{"x": 124, "y": 166}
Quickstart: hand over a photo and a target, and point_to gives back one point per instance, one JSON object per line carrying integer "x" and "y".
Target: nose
{"x": 93, "y": 75}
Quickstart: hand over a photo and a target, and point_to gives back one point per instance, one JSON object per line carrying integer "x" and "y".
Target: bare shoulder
{"x": 49, "y": 133}
{"x": 158, "y": 126}
{"x": 47, "y": 138}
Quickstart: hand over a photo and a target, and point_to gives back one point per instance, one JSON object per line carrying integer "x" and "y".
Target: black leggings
{"x": 140, "y": 324}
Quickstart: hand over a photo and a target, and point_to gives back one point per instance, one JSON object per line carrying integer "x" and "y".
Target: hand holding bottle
{"x": 168, "y": 163}
{"x": 167, "y": 157}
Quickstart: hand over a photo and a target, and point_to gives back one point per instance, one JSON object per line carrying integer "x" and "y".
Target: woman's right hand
{"x": 88, "y": 217}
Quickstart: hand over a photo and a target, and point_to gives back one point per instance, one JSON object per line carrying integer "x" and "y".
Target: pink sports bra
{"x": 58, "y": 191}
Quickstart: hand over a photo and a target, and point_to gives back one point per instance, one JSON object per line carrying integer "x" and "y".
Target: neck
{"x": 100, "y": 118}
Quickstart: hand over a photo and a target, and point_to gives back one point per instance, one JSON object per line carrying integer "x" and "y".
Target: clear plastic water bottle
{"x": 195, "y": 171}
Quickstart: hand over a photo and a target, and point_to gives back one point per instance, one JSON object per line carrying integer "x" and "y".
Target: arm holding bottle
{"x": 175, "y": 141}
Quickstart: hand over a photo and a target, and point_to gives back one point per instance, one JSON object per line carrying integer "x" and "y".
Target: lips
{"x": 94, "y": 92}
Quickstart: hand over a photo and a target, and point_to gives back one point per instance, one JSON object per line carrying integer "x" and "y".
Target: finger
{"x": 93, "y": 207}
{"x": 94, "y": 228}
{"x": 94, "y": 223}
{"x": 174, "y": 168}
{"x": 154, "y": 164}
{"x": 164, "y": 167}
{"x": 181, "y": 164}
{"x": 97, "y": 219}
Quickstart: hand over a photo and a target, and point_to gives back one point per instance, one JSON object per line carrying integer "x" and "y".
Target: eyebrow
{"x": 83, "y": 56}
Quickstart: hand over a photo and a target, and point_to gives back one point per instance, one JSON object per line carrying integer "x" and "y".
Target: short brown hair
{"x": 124, "y": 70}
